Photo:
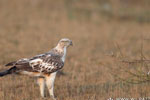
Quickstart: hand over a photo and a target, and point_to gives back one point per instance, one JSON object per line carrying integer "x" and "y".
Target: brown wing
{"x": 45, "y": 63}
{"x": 48, "y": 64}
{"x": 22, "y": 65}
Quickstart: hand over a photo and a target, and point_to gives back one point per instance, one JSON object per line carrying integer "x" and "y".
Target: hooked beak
{"x": 71, "y": 43}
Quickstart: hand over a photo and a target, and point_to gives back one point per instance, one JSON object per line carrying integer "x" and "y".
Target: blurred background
{"x": 110, "y": 56}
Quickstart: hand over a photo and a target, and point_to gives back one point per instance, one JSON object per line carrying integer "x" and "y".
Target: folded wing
{"x": 47, "y": 64}
{"x": 42, "y": 63}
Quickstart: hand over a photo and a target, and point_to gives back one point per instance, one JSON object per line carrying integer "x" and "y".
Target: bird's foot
{"x": 52, "y": 96}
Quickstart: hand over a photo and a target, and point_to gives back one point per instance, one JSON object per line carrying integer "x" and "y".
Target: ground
{"x": 103, "y": 32}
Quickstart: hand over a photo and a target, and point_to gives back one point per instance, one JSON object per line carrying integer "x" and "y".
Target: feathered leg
{"x": 41, "y": 82}
{"x": 50, "y": 84}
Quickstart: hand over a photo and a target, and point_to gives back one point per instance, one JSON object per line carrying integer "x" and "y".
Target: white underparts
{"x": 31, "y": 73}
{"x": 63, "y": 50}
{"x": 64, "y": 54}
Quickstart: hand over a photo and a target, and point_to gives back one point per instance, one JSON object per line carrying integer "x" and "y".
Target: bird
{"x": 43, "y": 66}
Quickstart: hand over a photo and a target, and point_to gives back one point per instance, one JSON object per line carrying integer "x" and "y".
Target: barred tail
{"x": 6, "y": 72}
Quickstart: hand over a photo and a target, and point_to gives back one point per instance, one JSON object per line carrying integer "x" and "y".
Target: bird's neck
{"x": 64, "y": 54}
{"x": 61, "y": 50}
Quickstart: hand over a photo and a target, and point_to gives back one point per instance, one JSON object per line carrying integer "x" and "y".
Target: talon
{"x": 53, "y": 97}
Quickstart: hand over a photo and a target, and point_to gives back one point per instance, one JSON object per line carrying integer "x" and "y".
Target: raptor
{"x": 44, "y": 66}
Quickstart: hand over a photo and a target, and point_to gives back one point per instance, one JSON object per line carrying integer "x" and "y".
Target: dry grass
{"x": 98, "y": 28}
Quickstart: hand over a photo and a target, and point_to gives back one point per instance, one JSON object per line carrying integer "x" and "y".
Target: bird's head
{"x": 65, "y": 42}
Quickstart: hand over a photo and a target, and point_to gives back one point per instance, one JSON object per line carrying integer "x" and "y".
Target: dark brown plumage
{"x": 46, "y": 63}
{"x": 44, "y": 66}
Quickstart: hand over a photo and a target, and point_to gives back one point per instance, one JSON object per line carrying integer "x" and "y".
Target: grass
{"x": 104, "y": 33}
